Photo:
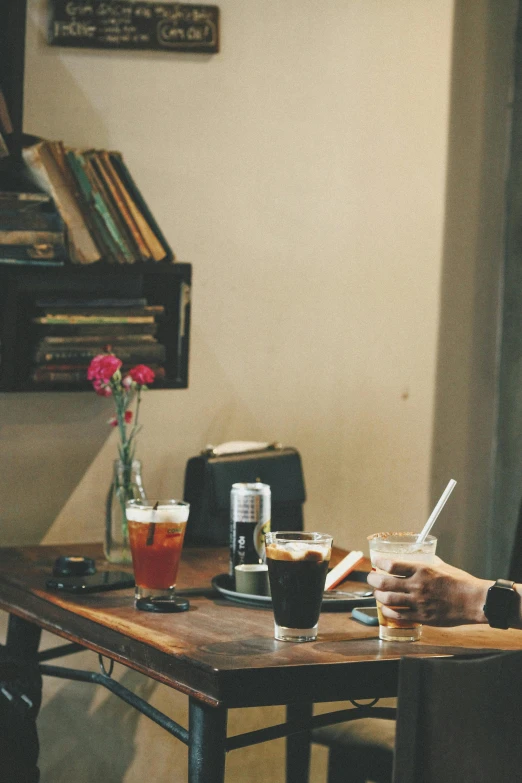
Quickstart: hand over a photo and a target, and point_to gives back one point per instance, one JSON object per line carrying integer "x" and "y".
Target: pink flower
{"x": 103, "y": 367}
{"x": 142, "y": 375}
{"x": 125, "y": 390}
{"x": 102, "y": 388}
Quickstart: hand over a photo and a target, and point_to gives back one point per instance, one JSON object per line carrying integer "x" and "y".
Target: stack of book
{"x": 31, "y": 230}
{"x": 105, "y": 213}
{"x": 70, "y": 332}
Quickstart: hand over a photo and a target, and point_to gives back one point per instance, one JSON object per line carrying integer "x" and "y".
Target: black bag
{"x": 209, "y": 478}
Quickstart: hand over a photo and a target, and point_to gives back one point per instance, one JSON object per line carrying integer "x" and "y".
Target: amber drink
{"x": 156, "y": 533}
{"x": 404, "y": 548}
{"x": 297, "y": 566}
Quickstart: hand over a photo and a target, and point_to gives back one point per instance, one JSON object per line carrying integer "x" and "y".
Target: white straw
{"x": 436, "y": 511}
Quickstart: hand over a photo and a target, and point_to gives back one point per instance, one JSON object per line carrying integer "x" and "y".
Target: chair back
{"x": 459, "y": 719}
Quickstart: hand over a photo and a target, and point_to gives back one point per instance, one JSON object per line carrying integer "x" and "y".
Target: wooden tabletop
{"x": 219, "y": 651}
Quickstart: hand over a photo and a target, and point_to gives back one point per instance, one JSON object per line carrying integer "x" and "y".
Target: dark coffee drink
{"x": 297, "y": 570}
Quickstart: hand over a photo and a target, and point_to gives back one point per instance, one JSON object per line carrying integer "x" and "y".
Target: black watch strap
{"x": 501, "y": 603}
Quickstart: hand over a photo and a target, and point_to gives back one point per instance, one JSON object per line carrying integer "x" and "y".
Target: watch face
{"x": 499, "y": 605}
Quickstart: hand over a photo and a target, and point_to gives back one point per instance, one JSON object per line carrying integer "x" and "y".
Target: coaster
{"x": 162, "y": 605}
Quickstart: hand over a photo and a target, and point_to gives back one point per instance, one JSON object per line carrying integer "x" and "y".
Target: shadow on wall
{"x": 70, "y": 752}
{"x": 56, "y": 461}
{"x": 79, "y": 105}
{"x": 48, "y": 442}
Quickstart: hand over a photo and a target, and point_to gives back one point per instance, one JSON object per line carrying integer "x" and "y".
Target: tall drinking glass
{"x": 156, "y": 533}
{"x": 297, "y": 566}
{"x": 403, "y": 547}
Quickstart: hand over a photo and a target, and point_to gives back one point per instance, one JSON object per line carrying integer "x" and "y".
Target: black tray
{"x": 334, "y": 600}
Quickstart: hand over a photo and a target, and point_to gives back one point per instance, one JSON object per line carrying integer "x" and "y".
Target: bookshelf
{"x": 166, "y": 284}
{"x": 21, "y": 286}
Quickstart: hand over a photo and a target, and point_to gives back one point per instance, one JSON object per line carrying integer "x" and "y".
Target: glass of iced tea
{"x": 297, "y": 566}
{"x": 403, "y": 547}
{"x": 156, "y": 533}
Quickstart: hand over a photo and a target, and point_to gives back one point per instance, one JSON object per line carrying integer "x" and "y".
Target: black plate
{"x": 332, "y": 601}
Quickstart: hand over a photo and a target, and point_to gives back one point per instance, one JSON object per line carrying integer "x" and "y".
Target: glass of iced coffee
{"x": 404, "y": 547}
{"x": 297, "y": 566}
{"x": 156, "y": 533}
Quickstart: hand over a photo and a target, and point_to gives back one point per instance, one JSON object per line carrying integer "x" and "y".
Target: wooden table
{"x": 220, "y": 654}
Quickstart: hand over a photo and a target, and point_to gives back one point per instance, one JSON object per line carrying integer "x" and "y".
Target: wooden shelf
{"x": 166, "y": 284}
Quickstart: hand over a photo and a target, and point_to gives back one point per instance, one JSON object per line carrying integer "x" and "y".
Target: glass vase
{"x": 126, "y": 485}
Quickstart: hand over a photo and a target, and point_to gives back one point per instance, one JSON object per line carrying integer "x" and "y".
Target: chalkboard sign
{"x": 129, "y": 24}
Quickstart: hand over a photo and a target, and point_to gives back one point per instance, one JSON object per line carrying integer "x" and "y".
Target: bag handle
{"x": 239, "y": 447}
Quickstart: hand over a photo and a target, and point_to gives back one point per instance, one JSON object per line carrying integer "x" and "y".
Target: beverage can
{"x": 249, "y": 521}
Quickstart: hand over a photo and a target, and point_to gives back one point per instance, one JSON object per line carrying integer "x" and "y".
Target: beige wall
{"x": 302, "y": 171}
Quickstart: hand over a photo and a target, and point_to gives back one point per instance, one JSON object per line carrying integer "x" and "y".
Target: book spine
{"x": 125, "y": 175}
{"x": 79, "y": 303}
{"x": 77, "y": 320}
{"x": 103, "y": 235}
{"x": 102, "y": 206}
{"x": 59, "y": 376}
{"x": 57, "y": 150}
{"x": 97, "y": 330}
{"x": 122, "y": 202}
{"x": 30, "y": 220}
{"x": 118, "y": 208}
{"x": 32, "y": 261}
{"x": 50, "y": 342}
{"x": 63, "y": 313}
{"x": 23, "y": 200}
{"x": 133, "y": 355}
{"x": 68, "y": 375}
{"x": 154, "y": 246}
{"x": 45, "y": 172}
{"x": 31, "y": 237}
{"x": 34, "y": 252}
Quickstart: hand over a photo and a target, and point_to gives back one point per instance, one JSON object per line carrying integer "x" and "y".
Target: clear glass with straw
{"x": 406, "y": 547}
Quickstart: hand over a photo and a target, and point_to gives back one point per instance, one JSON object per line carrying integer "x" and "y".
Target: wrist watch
{"x": 501, "y": 603}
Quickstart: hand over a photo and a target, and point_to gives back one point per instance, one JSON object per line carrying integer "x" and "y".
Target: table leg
{"x": 298, "y": 745}
{"x": 23, "y": 638}
{"x": 22, "y": 689}
{"x": 207, "y": 738}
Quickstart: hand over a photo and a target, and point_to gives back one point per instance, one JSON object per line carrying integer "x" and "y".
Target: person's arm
{"x": 437, "y": 594}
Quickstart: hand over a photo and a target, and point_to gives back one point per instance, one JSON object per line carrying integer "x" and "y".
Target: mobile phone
{"x": 366, "y": 615}
{"x": 92, "y": 583}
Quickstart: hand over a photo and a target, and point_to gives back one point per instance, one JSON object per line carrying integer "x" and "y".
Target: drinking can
{"x": 249, "y": 521}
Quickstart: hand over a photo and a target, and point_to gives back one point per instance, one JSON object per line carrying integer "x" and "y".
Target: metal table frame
{"x": 206, "y": 736}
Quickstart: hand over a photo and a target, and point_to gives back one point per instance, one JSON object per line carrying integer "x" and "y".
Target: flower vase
{"x": 126, "y": 485}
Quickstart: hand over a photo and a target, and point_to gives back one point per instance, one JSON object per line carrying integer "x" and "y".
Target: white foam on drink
{"x": 297, "y": 551}
{"x": 160, "y": 514}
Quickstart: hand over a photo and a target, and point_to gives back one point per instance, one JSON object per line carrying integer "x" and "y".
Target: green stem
{"x": 125, "y": 457}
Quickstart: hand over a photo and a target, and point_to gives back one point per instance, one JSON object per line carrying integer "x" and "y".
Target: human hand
{"x": 435, "y": 594}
